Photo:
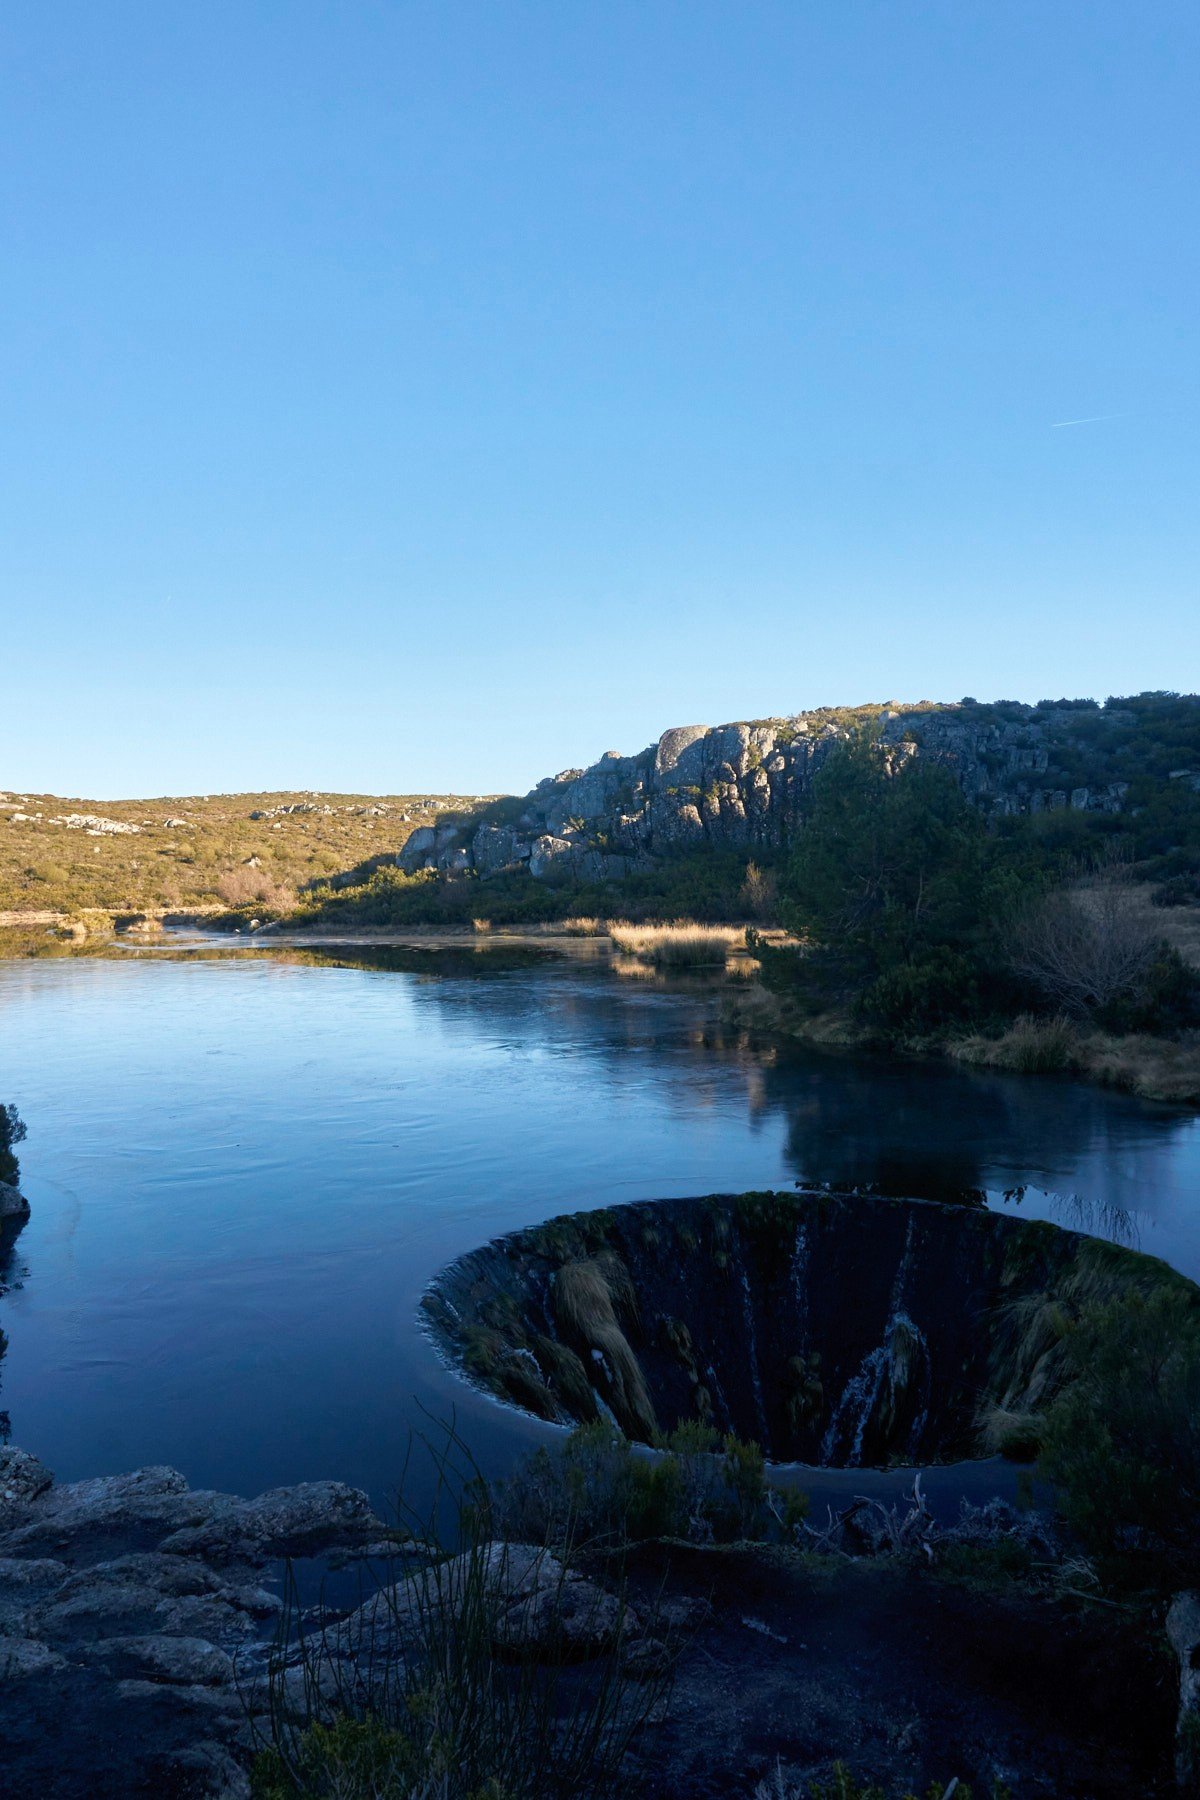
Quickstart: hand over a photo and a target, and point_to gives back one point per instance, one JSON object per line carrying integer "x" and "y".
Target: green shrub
{"x": 923, "y": 992}
{"x": 1122, "y": 1439}
{"x": 597, "y": 1490}
{"x": 12, "y": 1131}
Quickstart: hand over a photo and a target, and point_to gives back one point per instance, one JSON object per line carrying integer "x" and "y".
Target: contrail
{"x": 1094, "y": 420}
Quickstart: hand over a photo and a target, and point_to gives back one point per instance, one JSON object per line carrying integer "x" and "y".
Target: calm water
{"x": 243, "y": 1173}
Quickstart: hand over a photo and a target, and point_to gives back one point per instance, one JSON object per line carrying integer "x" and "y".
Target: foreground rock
{"x": 13, "y": 1204}
{"x": 137, "y": 1620}
{"x": 135, "y": 1614}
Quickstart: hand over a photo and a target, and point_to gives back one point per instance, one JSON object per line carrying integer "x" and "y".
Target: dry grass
{"x": 481, "y": 927}
{"x": 1155, "y": 1068}
{"x": 1030, "y": 1047}
{"x": 584, "y": 927}
{"x": 1179, "y": 925}
{"x": 678, "y": 944}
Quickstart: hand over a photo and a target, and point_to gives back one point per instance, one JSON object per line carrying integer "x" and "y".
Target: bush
{"x": 1122, "y": 1439}
{"x": 597, "y": 1490}
{"x": 1177, "y": 890}
{"x": 12, "y": 1132}
{"x": 1029, "y": 1046}
{"x": 922, "y": 994}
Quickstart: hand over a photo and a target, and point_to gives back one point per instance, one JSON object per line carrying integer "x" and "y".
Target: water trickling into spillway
{"x": 835, "y": 1328}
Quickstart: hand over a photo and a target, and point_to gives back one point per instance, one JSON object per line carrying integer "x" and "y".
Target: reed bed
{"x": 584, "y": 926}
{"x": 678, "y": 944}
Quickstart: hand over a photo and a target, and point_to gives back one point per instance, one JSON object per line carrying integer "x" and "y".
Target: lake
{"x": 245, "y": 1169}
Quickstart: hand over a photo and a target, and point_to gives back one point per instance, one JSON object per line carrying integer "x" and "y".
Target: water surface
{"x": 244, "y": 1171}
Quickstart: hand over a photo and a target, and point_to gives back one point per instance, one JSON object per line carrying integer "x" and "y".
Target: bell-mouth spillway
{"x": 836, "y": 1329}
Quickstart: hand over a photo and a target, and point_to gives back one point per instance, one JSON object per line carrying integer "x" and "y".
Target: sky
{"x": 429, "y": 395}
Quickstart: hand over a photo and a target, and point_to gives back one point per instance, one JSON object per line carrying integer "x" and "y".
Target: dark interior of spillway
{"x": 831, "y": 1328}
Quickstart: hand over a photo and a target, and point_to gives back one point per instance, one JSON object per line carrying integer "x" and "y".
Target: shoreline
{"x": 1164, "y": 1071}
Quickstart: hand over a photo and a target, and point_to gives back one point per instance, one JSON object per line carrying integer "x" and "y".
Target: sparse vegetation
{"x": 436, "y": 1704}
{"x": 1157, "y": 1068}
{"x": 212, "y": 852}
{"x": 597, "y": 1491}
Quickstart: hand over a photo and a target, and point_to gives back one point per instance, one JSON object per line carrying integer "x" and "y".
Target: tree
{"x": 12, "y": 1131}
{"x": 1084, "y": 948}
{"x": 893, "y": 886}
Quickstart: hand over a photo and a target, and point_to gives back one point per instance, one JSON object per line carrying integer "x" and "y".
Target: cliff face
{"x": 747, "y": 786}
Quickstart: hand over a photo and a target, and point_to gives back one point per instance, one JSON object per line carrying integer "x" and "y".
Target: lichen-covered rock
{"x": 21, "y": 1658}
{"x": 13, "y": 1204}
{"x": 23, "y": 1479}
{"x": 117, "y": 1653}
{"x": 81, "y": 1515}
{"x": 180, "y": 1661}
{"x": 492, "y": 1577}
{"x": 291, "y": 1521}
{"x": 420, "y": 845}
{"x": 564, "y": 1621}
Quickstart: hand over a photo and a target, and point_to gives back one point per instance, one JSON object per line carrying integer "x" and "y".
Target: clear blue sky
{"x": 432, "y": 395}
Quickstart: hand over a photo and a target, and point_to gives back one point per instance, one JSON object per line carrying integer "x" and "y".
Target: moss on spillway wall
{"x": 832, "y": 1328}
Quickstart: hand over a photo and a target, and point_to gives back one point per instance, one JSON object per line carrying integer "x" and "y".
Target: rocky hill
{"x": 747, "y": 786}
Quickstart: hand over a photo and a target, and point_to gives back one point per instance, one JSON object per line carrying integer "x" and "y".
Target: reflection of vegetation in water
{"x": 408, "y": 959}
{"x": 439, "y": 959}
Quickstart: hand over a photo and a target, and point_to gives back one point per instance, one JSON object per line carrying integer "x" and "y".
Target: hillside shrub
{"x": 12, "y": 1132}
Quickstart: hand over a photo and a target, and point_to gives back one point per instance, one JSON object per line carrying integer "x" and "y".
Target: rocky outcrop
{"x": 136, "y": 1618}
{"x": 1183, "y": 1634}
{"x": 13, "y": 1204}
{"x": 841, "y": 1329}
{"x": 747, "y": 787}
